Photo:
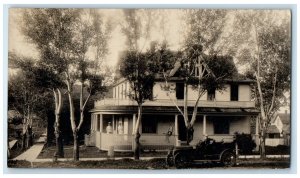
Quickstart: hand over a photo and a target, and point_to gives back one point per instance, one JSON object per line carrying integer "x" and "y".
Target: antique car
{"x": 205, "y": 151}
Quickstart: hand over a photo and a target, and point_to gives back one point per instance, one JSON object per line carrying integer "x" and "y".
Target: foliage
{"x": 24, "y": 93}
{"x": 259, "y": 34}
{"x": 245, "y": 143}
{"x": 204, "y": 27}
{"x": 136, "y": 68}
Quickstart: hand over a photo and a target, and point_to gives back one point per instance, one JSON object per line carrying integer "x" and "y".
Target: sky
{"x": 19, "y": 44}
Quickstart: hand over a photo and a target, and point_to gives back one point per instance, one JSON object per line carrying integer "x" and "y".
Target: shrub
{"x": 245, "y": 143}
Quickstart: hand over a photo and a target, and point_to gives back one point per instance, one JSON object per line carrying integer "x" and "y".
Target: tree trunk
{"x": 8, "y": 149}
{"x": 262, "y": 147}
{"x": 189, "y": 135}
{"x": 76, "y": 147}
{"x": 72, "y": 120}
{"x": 137, "y": 145}
{"x": 24, "y": 141}
{"x": 58, "y": 138}
{"x": 29, "y": 137}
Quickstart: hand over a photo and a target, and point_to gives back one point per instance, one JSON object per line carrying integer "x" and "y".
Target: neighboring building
{"x": 279, "y": 132}
{"x": 220, "y": 115}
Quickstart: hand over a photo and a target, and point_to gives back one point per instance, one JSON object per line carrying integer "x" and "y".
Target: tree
{"x": 134, "y": 65}
{"x": 261, "y": 42}
{"x": 51, "y": 31}
{"x": 137, "y": 70}
{"x": 202, "y": 72}
{"x": 204, "y": 27}
{"x": 89, "y": 33}
{"x": 24, "y": 94}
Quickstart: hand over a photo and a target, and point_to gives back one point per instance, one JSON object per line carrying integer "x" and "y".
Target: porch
{"x": 161, "y": 131}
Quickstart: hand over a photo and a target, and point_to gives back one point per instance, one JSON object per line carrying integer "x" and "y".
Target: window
{"x": 221, "y": 125}
{"x": 180, "y": 90}
{"x": 149, "y": 125}
{"x": 211, "y": 94}
{"x": 234, "y": 92}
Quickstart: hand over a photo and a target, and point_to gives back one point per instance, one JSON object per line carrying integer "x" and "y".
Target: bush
{"x": 245, "y": 143}
{"x": 277, "y": 150}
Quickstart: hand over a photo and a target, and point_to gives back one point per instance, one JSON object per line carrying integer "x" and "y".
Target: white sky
{"x": 19, "y": 44}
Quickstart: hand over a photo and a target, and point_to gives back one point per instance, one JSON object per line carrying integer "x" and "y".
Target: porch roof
{"x": 173, "y": 110}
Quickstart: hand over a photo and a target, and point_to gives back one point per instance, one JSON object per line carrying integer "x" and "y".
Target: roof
{"x": 174, "y": 110}
{"x": 12, "y": 114}
{"x": 273, "y": 129}
{"x": 285, "y": 118}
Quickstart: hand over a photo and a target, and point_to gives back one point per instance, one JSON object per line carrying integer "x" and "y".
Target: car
{"x": 205, "y": 151}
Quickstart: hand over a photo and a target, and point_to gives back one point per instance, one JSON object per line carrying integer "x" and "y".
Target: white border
{"x": 148, "y": 3}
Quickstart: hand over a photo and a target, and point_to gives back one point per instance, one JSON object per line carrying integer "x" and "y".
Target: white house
{"x": 279, "y": 131}
{"x": 220, "y": 115}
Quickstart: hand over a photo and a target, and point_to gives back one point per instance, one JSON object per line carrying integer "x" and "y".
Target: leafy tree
{"x": 51, "y": 31}
{"x": 204, "y": 27}
{"x": 261, "y": 43}
{"x": 24, "y": 95}
{"x": 134, "y": 65}
{"x": 91, "y": 32}
{"x": 64, "y": 37}
{"x": 204, "y": 73}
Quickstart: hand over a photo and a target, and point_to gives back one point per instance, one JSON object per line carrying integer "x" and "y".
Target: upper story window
{"x": 211, "y": 94}
{"x": 180, "y": 90}
{"x": 234, "y": 92}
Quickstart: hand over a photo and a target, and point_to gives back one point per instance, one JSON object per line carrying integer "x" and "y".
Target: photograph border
{"x": 293, "y": 157}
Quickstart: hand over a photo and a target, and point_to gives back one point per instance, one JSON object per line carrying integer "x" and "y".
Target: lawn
{"x": 157, "y": 163}
{"x": 106, "y": 164}
{"x": 92, "y": 152}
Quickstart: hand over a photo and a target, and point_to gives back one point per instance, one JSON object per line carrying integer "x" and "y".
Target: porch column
{"x": 256, "y": 126}
{"x": 176, "y": 130}
{"x": 92, "y": 122}
{"x": 133, "y": 122}
{"x": 101, "y": 123}
{"x": 100, "y": 129}
{"x": 204, "y": 126}
{"x": 257, "y": 133}
{"x": 113, "y": 123}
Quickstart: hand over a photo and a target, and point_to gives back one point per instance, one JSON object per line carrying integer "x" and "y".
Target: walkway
{"x": 32, "y": 153}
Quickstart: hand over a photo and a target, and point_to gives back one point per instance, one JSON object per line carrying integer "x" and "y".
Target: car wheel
{"x": 180, "y": 160}
{"x": 228, "y": 159}
{"x": 169, "y": 160}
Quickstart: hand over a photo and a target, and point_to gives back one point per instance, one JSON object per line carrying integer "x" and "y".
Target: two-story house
{"x": 220, "y": 115}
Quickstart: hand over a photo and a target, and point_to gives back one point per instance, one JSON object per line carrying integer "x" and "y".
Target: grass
{"x": 157, "y": 163}
{"x": 91, "y": 152}
{"x": 107, "y": 164}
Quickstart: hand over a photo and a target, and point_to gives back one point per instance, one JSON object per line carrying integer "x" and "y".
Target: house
{"x": 220, "y": 115}
{"x": 279, "y": 131}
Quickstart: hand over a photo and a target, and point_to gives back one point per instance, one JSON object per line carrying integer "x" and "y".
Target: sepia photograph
{"x": 149, "y": 88}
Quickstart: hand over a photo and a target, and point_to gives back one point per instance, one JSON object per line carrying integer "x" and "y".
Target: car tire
{"x": 180, "y": 160}
{"x": 228, "y": 159}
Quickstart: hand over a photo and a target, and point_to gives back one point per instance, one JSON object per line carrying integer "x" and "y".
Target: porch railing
{"x": 120, "y": 142}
